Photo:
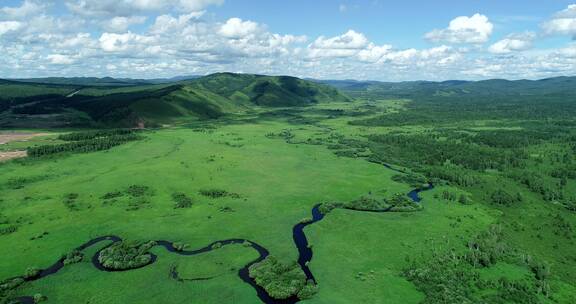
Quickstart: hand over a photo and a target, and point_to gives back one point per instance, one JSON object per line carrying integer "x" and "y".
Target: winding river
{"x": 300, "y": 240}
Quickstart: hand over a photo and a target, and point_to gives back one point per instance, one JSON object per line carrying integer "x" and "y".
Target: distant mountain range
{"x": 90, "y": 101}
{"x": 406, "y": 88}
{"x": 53, "y": 102}
{"x": 456, "y": 88}
{"x": 105, "y": 81}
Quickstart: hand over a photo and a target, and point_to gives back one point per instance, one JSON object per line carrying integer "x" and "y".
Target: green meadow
{"x": 277, "y": 184}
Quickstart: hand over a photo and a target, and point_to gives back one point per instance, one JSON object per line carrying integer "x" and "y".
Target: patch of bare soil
{"x": 4, "y": 156}
{"x": 7, "y": 137}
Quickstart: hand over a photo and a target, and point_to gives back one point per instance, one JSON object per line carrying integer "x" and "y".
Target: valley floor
{"x": 274, "y": 168}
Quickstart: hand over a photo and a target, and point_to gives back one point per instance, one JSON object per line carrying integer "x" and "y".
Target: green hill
{"x": 76, "y": 102}
{"x": 268, "y": 90}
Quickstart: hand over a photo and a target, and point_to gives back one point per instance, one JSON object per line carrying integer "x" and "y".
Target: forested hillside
{"x": 107, "y": 102}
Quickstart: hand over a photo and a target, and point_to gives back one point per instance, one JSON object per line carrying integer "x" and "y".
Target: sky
{"x": 324, "y": 39}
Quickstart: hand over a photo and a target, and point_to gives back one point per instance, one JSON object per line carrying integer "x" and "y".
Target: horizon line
{"x": 21, "y": 79}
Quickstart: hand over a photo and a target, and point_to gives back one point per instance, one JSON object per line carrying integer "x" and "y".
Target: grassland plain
{"x": 272, "y": 178}
{"x": 279, "y": 163}
{"x": 359, "y": 257}
{"x": 539, "y": 225}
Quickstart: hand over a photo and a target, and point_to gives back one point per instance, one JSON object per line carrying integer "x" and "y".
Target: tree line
{"x": 430, "y": 149}
{"x": 454, "y": 276}
{"x": 86, "y": 143}
{"x": 77, "y": 136}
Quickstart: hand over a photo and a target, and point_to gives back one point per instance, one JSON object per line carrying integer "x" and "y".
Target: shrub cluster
{"x": 537, "y": 183}
{"x": 73, "y": 257}
{"x": 180, "y": 246}
{"x": 181, "y": 200}
{"x": 138, "y": 190}
{"x": 487, "y": 249}
{"x": 412, "y": 179}
{"x": 395, "y": 203}
{"x": 39, "y": 298}
{"x": 126, "y": 255}
{"x": 31, "y": 272}
{"x": 112, "y": 195}
{"x": 455, "y": 278}
{"x": 453, "y": 196}
{"x": 502, "y": 197}
{"x": 7, "y": 286}
{"x": 367, "y": 203}
{"x": 282, "y": 281}
{"x": 285, "y": 134}
{"x": 218, "y": 193}
{"x": 401, "y": 203}
{"x": 8, "y": 229}
{"x": 138, "y": 197}
{"x": 70, "y": 201}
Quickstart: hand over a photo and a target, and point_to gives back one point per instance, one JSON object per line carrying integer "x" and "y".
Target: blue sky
{"x": 330, "y": 39}
{"x": 402, "y": 23}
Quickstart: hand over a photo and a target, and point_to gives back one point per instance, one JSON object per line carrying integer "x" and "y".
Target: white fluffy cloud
{"x": 531, "y": 65}
{"x": 568, "y": 52}
{"x": 121, "y": 24}
{"x": 250, "y": 39}
{"x": 111, "y": 42}
{"x": 345, "y": 45}
{"x": 374, "y": 53}
{"x": 354, "y": 46}
{"x": 350, "y": 40}
{"x": 60, "y": 59}
{"x": 437, "y": 56}
{"x": 513, "y": 43}
{"x": 135, "y": 7}
{"x": 236, "y": 28}
{"x": 475, "y": 29}
{"x": 28, "y": 8}
{"x": 168, "y": 23}
{"x": 563, "y": 23}
{"x": 186, "y": 37}
{"x": 9, "y": 26}
{"x": 80, "y": 40}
